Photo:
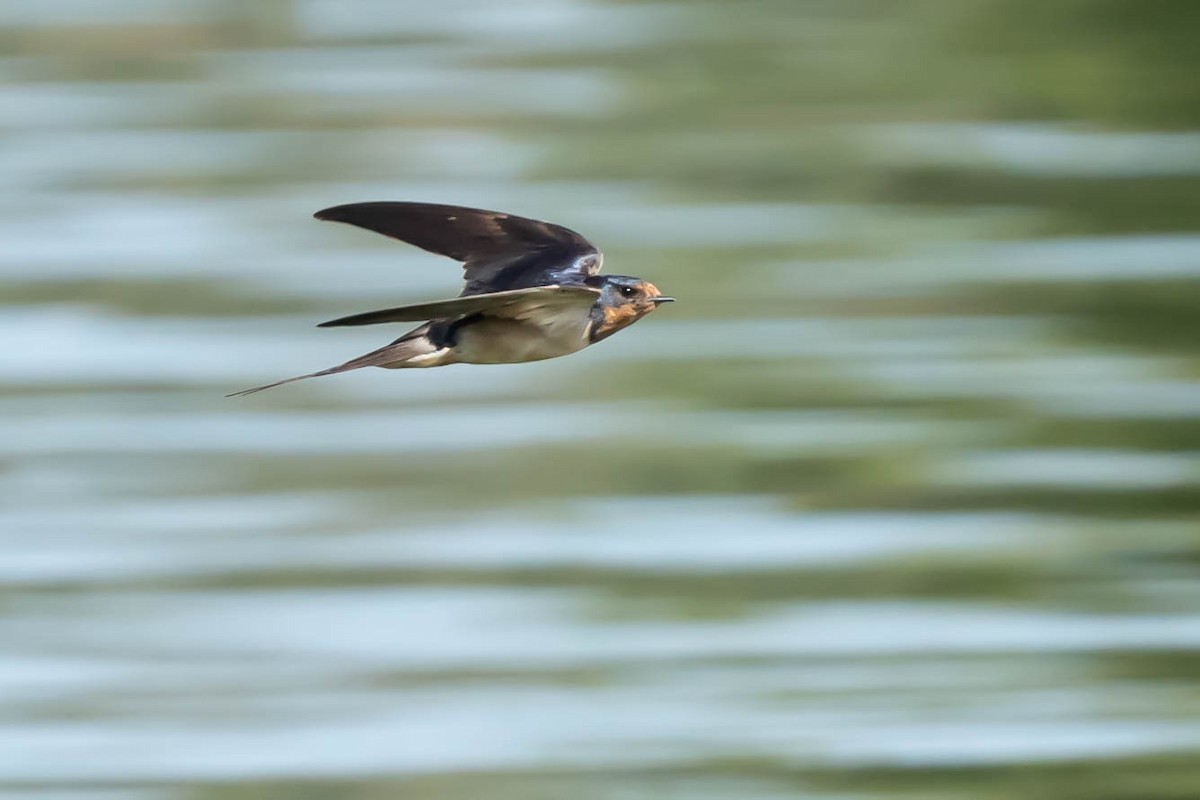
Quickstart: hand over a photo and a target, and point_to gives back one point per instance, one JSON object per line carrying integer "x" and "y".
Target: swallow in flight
{"x": 532, "y": 290}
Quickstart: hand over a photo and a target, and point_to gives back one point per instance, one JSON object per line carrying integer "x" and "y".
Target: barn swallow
{"x": 532, "y": 290}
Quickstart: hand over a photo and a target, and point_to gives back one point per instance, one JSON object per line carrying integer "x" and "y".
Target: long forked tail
{"x": 412, "y": 350}
{"x": 330, "y": 371}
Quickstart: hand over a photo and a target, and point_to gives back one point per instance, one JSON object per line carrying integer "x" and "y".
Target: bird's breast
{"x": 496, "y": 340}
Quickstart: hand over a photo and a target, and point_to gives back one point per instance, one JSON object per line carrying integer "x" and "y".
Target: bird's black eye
{"x": 628, "y": 291}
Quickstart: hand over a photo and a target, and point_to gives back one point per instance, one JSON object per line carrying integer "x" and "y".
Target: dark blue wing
{"x": 499, "y": 251}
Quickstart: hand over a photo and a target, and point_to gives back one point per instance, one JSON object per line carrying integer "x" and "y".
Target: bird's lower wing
{"x": 515, "y": 304}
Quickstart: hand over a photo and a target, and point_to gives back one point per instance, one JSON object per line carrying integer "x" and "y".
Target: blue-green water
{"x": 900, "y": 500}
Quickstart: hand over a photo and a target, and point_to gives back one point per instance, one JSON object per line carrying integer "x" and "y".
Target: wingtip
{"x": 334, "y": 213}
{"x": 343, "y": 212}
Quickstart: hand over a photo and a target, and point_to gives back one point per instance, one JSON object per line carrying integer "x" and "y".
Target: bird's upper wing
{"x": 499, "y": 251}
{"x": 520, "y": 304}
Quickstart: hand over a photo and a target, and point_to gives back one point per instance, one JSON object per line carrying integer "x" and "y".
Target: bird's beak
{"x": 662, "y": 299}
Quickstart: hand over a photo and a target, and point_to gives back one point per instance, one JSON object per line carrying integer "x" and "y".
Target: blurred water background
{"x": 900, "y": 500}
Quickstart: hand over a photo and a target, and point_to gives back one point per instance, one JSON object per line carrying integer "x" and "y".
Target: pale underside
{"x": 541, "y": 323}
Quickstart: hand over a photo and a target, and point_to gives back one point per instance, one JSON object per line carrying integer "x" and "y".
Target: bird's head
{"x": 623, "y": 301}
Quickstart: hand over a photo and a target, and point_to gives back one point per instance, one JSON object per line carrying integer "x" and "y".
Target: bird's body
{"x": 492, "y": 340}
{"x": 532, "y": 290}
